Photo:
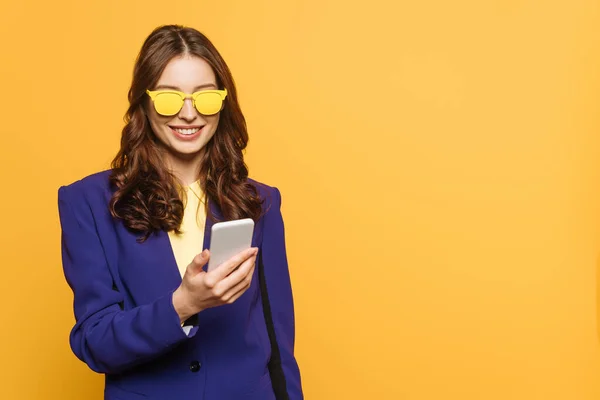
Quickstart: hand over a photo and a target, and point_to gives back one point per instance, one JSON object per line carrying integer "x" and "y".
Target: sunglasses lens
{"x": 208, "y": 103}
{"x": 168, "y": 103}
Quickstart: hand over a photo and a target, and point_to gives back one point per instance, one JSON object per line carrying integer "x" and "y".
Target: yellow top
{"x": 189, "y": 242}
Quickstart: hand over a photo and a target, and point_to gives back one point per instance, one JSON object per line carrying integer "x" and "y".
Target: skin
{"x": 199, "y": 290}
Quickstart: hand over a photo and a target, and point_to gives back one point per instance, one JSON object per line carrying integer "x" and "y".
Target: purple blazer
{"x": 126, "y": 326}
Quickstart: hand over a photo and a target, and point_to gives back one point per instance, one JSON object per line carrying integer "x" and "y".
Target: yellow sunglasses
{"x": 170, "y": 102}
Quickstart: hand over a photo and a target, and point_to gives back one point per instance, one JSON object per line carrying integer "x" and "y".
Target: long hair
{"x": 146, "y": 194}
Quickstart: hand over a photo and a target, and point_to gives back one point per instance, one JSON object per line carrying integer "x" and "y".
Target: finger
{"x": 238, "y": 275}
{"x": 245, "y": 281}
{"x": 237, "y": 291}
{"x": 195, "y": 267}
{"x": 230, "y": 265}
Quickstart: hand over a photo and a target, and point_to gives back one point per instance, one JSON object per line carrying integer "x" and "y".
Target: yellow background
{"x": 438, "y": 162}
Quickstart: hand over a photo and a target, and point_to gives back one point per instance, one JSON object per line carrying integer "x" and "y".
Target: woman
{"x": 148, "y": 316}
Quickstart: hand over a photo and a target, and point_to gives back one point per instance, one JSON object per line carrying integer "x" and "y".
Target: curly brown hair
{"x": 146, "y": 197}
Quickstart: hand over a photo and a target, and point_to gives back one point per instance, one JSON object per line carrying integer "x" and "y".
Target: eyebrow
{"x": 205, "y": 86}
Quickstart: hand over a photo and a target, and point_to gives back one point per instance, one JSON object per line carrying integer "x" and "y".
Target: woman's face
{"x": 187, "y": 132}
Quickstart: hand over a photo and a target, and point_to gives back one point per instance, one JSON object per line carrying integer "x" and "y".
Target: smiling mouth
{"x": 186, "y": 131}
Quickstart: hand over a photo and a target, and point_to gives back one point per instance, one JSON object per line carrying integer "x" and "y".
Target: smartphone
{"x": 228, "y": 239}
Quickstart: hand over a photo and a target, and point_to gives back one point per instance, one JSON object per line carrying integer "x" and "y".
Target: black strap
{"x": 275, "y": 367}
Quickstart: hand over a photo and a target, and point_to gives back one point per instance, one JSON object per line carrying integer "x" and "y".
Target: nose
{"x": 188, "y": 112}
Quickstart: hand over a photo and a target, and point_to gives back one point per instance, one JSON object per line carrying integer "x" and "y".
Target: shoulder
{"x": 270, "y": 195}
{"x": 96, "y": 186}
{"x": 96, "y": 181}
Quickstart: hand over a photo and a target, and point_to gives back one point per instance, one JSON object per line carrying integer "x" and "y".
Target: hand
{"x": 200, "y": 290}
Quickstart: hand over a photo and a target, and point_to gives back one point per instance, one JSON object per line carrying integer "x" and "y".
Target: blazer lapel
{"x": 148, "y": 270}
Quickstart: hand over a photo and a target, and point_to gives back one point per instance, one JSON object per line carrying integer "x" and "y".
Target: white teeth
{"x": 187, "y": 131}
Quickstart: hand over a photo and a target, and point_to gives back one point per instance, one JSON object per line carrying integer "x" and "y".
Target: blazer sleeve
{"x": 279, "y": 289}
{"x": 106, "y": 337}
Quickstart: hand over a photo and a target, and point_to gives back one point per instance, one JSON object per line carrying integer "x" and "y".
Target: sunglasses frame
{"x": 193, "y": 96}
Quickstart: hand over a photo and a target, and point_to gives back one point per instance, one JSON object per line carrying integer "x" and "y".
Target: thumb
{"x": 195, "y": 267}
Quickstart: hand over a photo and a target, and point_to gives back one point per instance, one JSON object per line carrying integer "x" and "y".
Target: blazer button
{"x": 194, "y": 366}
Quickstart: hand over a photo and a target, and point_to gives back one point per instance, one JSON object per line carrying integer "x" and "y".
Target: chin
{"x": 187, "y": 152}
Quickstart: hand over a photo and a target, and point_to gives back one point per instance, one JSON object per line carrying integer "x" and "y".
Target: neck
{"x": 186, "y": 169}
